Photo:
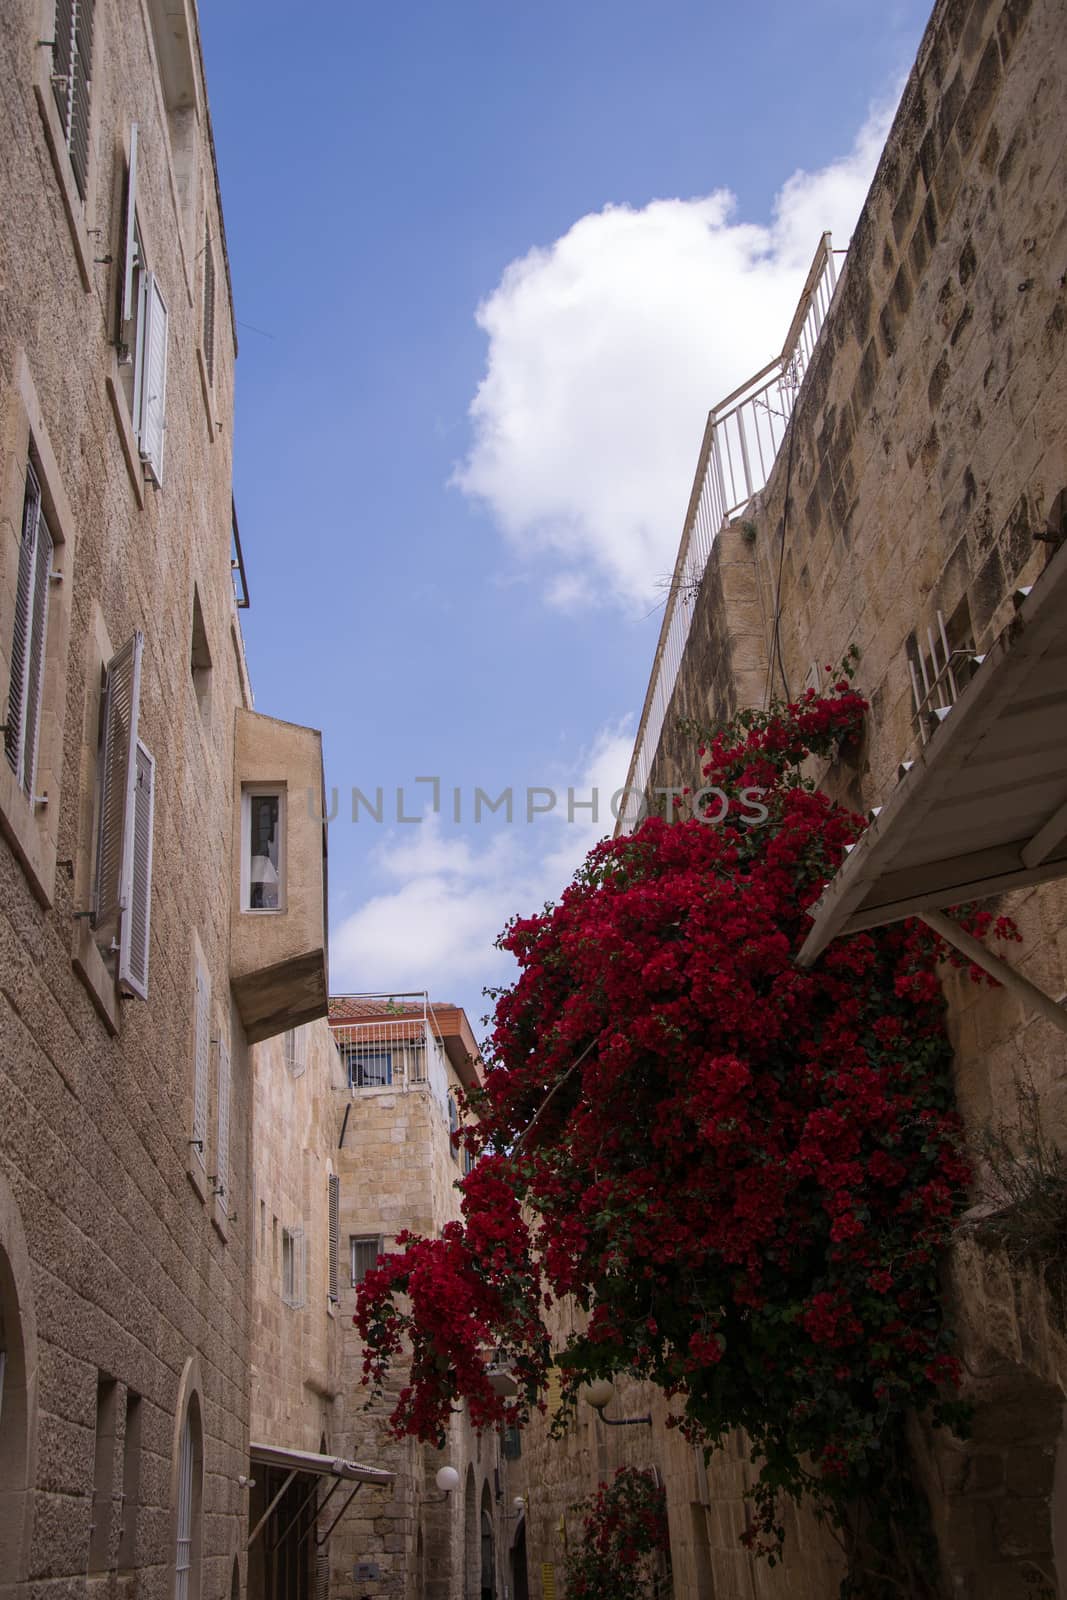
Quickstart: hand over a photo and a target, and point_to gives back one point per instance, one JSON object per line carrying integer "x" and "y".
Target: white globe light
{"x": 519, "y": 1503}
{"x": 598, "y": 1393}
{"x": 447, "y": 1479}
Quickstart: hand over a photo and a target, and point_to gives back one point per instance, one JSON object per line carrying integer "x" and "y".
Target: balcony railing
{"x": 741, "y": 440}
{"x": 392, "y": 1051}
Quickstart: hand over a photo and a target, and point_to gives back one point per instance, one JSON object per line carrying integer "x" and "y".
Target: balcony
{"x": 402, "y": 1042}
{"x": 278, "y": 889}
{"x": 742, "y": 437}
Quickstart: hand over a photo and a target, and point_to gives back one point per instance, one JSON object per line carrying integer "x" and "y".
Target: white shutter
{"x": 118, "y": 781}
{"x": 184, "y": 1544}
{"x": 28, "y": 638}
{"x": 222, "y": 1132}
{"x": 209, "y": 306}
{"x": 152, "y": 346}
{"x": 134, "y": 932}
{"x": 129, "y": 243}
{"x": 334, "y": 1290}
{"x": 201, "y": 1057}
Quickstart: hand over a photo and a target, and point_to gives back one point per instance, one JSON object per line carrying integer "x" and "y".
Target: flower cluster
{"x": 744, "y": 1171}
{"x": 624, "y": 1534}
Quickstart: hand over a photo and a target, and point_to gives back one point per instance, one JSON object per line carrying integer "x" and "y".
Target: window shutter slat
{"x": 222, "y": 1154}
{"x": 154, "y": 379}
{"x": 134, "y": 935}
{"x": 335, "y": 1235}
{"x": 201, "y": 1053}
{"x": 129, "y": 234}
{"x": 80, "y": 91}
{"x": 35, "y": 675}
{"x": 118, "y": 780}
{"x": 62, "y": 55}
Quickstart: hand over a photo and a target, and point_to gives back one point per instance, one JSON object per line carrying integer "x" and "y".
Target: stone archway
{"x": 520, "y": 1583}
{"x": 486, "y": 1548}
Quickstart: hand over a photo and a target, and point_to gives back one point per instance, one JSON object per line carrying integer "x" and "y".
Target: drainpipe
{"x": 1052, "y": 1010}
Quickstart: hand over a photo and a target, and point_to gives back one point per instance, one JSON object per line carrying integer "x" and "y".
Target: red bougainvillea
{"x": 623, "y": 1540}
{"x": 745, "y": 1171}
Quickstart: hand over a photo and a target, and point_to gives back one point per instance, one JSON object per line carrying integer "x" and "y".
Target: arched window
{"x": 188, "y": 1492}
{"x": 18, "y": 1407}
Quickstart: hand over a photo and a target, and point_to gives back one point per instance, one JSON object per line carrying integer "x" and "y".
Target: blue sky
{"x": 493, "y": 261}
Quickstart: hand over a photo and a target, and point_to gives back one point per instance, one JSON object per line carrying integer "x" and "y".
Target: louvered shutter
{"x": 28, "y": 638}
{"x": 153, "y": 378}
{"x": 201, "y": 1057}
{"x": 334, "y": 1289}
{"x": 80, "y": 87}
{"x": 118, "y": 781}
{"x": 129, "y": 237}
{"x": 222, "y": 1155}
{"x": 62, "y": 57}
{"x": 133, "y": 936}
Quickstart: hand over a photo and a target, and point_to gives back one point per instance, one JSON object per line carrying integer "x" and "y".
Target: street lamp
{"x": 447, "y": 1479}
{"x": 598, "y": 1394}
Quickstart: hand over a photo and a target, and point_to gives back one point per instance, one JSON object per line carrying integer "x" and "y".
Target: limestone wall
{"x": 929, "y": 448}
{"x": 135, "y": 1280}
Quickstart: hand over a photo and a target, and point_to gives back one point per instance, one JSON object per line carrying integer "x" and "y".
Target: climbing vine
{"x": 743, "y": 1171}
{"x": 623, "y": 1542}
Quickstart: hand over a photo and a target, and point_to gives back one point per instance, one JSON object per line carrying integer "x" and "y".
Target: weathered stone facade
{"x": 928, "y": 449}
{"x": 398, "y": 1170}
{"x": 125, "y": 1139}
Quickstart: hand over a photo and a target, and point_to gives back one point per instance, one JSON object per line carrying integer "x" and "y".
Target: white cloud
{"x": 445, "y": 896}
{"x": 606, "y": 352}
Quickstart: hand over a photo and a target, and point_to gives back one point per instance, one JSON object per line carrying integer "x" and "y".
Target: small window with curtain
{"x": 263, "y": 849}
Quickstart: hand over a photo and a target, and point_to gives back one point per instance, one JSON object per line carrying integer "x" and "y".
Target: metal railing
{"x": 742, "y": 437}
{"x": 394, "y": 1050}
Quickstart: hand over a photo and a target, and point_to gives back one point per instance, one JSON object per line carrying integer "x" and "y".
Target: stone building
{"x": 402, "y": 1060}
{"x": 135, "y": 780}
{"x": 914, "y": 509}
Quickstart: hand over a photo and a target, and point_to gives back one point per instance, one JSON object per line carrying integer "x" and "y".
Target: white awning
{"x": 984, "y": 808}
{"x": 324, "y": 1466}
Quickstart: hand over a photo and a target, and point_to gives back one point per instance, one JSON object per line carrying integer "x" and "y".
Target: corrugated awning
{"x": 323, "y": 1466}
{"x": 984, "y": 807}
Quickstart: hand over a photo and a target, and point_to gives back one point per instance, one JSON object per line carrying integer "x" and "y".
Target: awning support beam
{"x": 255, "y": 1531}
{"x": 295, "y": 1518}
{"x": 337, "y": 1518}
{"x": 975, "y": 951}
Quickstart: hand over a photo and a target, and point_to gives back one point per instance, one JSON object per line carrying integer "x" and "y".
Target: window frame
{"x": 355, "y": 1239}
{"x": 248, "y": 791}
{"x": 376, "y": 1053}
{"x": 31, "y": 829}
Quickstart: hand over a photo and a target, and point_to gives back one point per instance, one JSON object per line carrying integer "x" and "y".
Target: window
{"x": 200, "y": 659}
{"x": 334, "y": 1203}
{"x": 190, "y": 1497}
{"x": 369, "y": 1069}
{"x": 364, "y": 1251}
{"x": 222, "y": 1135}
{"x": 295, "y": 1050}
{"x": 103, "y": 1473}
{"x": 294, "y": 1268}
{"x": 209, "y": 306}
{"x": 201, "y": 1058}
{"x": 131, "y": 1482}
{"x": 263, "y": 849}
{"x": 122, "y": 892}
{"x": 72, "y": 59}
{"x": 25, "y": 692}
{"x": 453, "y": 1126}
{"x": 142, "y": 334}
